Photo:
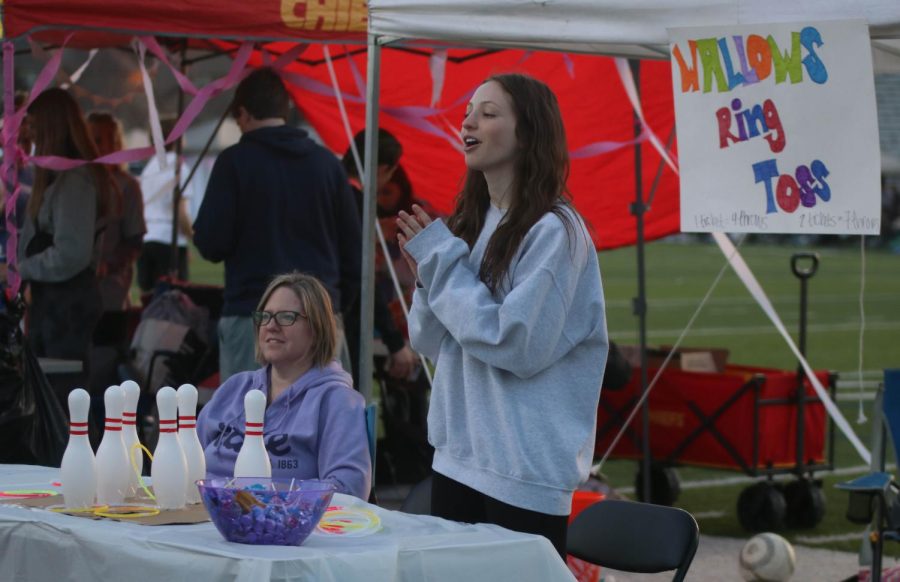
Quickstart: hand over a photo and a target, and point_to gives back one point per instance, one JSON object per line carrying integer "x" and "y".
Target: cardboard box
{"x": 688, "y": 359}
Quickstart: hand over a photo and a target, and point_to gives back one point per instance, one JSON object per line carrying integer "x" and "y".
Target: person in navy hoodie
{"x": 276, "y": 202}
{"x": 314, "y": 425}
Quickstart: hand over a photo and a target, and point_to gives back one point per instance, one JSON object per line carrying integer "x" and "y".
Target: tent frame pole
{"x": 176, "y": 193}
{"x": 9, "y": 174}
{"x": 367, "y": 280}
{"x": 639, "y": 305}
{"x": 202, "y": 155}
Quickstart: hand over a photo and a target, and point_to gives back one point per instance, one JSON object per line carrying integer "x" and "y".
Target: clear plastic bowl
{"x": 257, "y": 510}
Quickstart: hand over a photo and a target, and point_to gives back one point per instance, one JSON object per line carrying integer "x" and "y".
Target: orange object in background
{"x": 584, "y": 499}
{"x": 583, "y": 571}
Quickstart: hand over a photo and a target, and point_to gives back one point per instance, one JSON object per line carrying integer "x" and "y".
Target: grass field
{"x": 679, "y": 275}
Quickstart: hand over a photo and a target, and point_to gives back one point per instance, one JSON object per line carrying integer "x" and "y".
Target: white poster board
{"x": 777, "y": 128}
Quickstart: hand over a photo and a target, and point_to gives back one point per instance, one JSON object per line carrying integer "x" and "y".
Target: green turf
{"x": 679, "y": 275}
{"x": 202, "y": 271}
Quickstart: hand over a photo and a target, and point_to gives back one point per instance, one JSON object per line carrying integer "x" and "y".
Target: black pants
{"x": 453, "y": 500}
{"x": 61, "y": 322}
{"x": 155, "y": 262}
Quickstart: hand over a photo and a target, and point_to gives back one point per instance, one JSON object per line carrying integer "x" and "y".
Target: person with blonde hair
{"x": 314, "y": 424}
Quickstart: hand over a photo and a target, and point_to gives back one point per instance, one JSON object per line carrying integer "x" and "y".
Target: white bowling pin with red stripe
{"x": 113, "y": 467}
{"x": 253, "y": 460}
{"x": 190, "y": 443}
{"x": 129, "y": 433}
{"x": 79, "y": 469}
{"x": 169, "y": 469}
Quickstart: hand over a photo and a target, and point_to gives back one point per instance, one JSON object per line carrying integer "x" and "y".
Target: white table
{"x": 40, "y": 545}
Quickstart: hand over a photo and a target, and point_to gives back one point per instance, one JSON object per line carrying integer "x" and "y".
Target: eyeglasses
{"x": 282, "y": 318}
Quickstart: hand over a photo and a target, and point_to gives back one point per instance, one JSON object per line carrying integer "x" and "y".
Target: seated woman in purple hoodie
{"x": 314, "y": 426}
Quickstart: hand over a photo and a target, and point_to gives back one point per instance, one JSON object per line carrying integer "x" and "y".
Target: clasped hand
{"x": 410, "y": 225}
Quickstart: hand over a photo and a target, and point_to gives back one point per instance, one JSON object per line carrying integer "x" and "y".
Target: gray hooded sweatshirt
{"x": 514, "y": 405}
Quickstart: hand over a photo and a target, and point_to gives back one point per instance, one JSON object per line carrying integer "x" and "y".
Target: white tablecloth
{"x": 37, "y": 545}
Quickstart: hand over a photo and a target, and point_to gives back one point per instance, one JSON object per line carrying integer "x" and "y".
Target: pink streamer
{"x": 289, "y": 56}
{"x": 437, "y": 66}
{"x": 186, "y": 85}
{"x": 357, "y": 75}
{"x": 315, "y": 87}
{"x": 7, "y": 170}
{"x": 234, "y": 76}
{"x": 570, "y": 65}
{"x": 605, "y": 147}
{"x": 47, "y": 74}
{"x": 631, "y": 91}
{"x": 416, "y": 118}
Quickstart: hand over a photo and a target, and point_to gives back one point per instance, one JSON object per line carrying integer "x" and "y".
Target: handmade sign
{"x": 777, "y": 128}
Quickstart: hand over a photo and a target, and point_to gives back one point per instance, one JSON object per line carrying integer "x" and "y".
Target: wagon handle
{"x": 804, "y": 271}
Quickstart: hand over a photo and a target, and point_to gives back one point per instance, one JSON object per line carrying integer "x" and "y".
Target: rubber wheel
{"x": 665, "y": 486}
{"x": 762, "y": 507}
{"x": 805, "y": 503}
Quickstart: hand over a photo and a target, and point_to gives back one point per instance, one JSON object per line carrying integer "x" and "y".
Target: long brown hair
{"x": 539, "y": 183}
{"x": 106, "y": 131}
{"x": 59, "y": 129}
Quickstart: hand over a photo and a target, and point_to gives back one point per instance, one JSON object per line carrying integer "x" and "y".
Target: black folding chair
{"x": 635, "y": 537}
{"x": 875, "y": 497}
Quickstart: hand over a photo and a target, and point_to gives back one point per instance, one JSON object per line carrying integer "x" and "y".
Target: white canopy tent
{"x": 627, "y": 28}
{"x": 612, "y": 27}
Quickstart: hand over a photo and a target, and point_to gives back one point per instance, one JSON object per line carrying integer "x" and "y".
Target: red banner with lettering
{"x": 319, "y": 20}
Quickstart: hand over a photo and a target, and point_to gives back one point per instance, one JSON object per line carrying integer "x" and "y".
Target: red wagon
{"x": 745, "y": 419}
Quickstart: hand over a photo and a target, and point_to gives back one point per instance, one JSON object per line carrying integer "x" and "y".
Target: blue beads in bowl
{"x": 256, "y": 510}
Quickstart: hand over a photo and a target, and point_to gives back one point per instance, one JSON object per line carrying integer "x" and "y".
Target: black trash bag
{"x": 33, "y": 425}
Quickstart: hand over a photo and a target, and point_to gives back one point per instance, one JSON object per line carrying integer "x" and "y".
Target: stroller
{"x": 175, "y": 343}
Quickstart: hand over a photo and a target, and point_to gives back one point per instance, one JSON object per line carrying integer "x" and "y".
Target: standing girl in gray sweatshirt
{"x": 509, "y": 305}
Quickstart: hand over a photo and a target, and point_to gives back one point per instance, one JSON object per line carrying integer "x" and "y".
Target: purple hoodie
{"x": 316, "y": 429}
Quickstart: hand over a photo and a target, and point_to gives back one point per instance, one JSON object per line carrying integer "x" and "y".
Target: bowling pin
{"x": 113, "y": 467}
{"x": 169, "y": 469}
{"x": 253, "y": 460}
{"x": 190, "y": 443}
{"x": 79, "y": 469}
{"x": 130, "y": 435}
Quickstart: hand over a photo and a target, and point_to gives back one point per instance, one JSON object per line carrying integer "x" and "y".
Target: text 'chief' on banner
{"x": 777, "y": 128}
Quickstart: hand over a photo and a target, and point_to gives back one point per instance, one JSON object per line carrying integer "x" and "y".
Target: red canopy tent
{"x": 594, "y": 104}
